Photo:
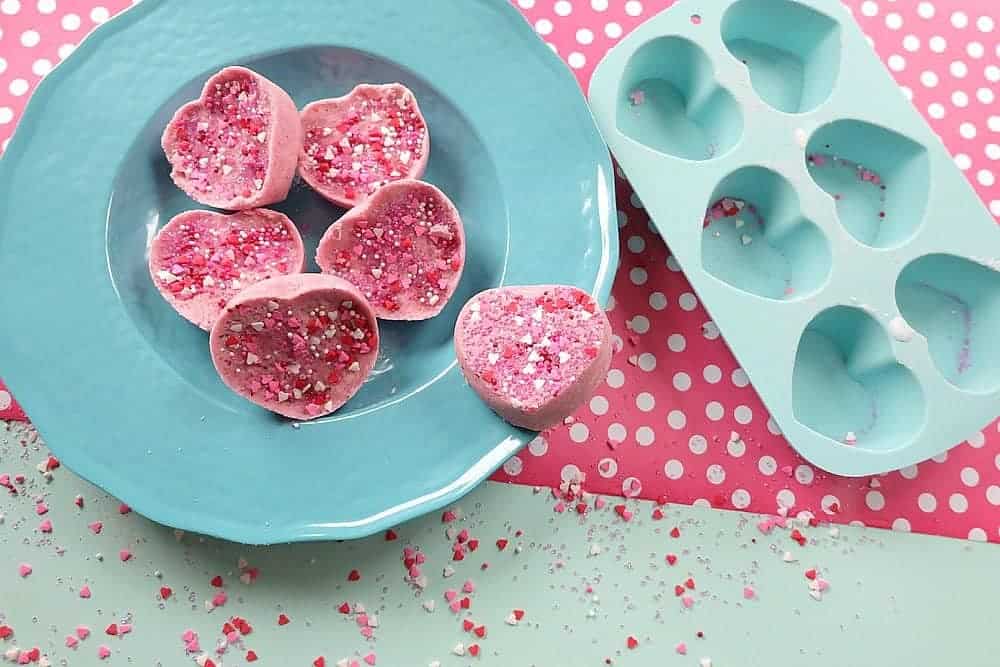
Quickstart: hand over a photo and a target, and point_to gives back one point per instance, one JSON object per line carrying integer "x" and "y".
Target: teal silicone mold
{"x": 859, "y": 283}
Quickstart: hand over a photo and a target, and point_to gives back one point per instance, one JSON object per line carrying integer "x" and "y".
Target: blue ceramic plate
{"x": 124, "y": 390}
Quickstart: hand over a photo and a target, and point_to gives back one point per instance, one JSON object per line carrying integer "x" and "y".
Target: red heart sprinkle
{"x": 675, "y": 532}
{"x": 662, "y": 500}
{"x": 678, "y": 590}
{"x": 501, "y": 544}
{"x": 354, "y": 575}
{"x": 227, "y": 628}
{"x": 243, "y": 626}
{"x": 283, "y": 620}
{"x": 6, "y": 631}
{"x": 813, "y": 521}
{"x": 319, "y": 662}
{"x": 473, "y": 544}
{"x": 689, "y": 583}
{"x": 390, "y": 535}
{"x": 344, "y": 608}
{"x": 251, "y": 656}
{"x": 480, "y": 631}
{"x": 165, "y": 592}
{"x": 34, "y": 654}
{"x": 458, "y": 555}
{"x": 620, "y": 510}
{"x": 672, "y": 558}
{"x": 810, "y": 573}
{"x": 657, "y": 514}
{"x": 465, "y": 603}
{"x": 581, "y": 508}
{"x": 111, "y": 629}
{"x": 448, "y": 516}
{"x": 473, "y": 650}
{"x": 216, "y": 581}
{"x": 631, "y": 642}
{"x": 51, "y": 463}
{"x": 467, "y": 625}
{"x": 798, "y": 537}
{"x": 519, "y": 614}
{"x": 209, "y": 662}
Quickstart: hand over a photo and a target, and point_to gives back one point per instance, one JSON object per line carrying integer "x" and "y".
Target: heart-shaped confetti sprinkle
{"x": 631, "y": 642}
{"x": 473, "y": 650}
{"x": 283, "y": 620}
{"x": 672, "y": 559}
{"x": 675, "y": 532}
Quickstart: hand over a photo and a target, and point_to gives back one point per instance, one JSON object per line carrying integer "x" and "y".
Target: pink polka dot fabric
{"x": 676, "y": 415}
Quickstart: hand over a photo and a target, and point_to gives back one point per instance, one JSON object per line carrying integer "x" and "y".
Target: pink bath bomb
{"x": 236, "y": 147}
{"x": 298, "y": 345}
{"x": 533, "y": 354}
{"x": 357, "y": 143}
{"x": 202, "y": 259}
{"x": 404, "y": 248}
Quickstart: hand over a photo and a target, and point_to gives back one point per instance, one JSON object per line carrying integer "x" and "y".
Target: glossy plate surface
{"x": 123, "y": 389}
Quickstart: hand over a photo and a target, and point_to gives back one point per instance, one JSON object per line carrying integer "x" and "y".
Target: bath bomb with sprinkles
{"x": 298, "y": 345}
{"x": 202, "y": 259}
{"x": 236, "y": 147}
{"x": 357, "y": 143}
{"x": 404, "y": 248}
{"x": 533, "y": 354}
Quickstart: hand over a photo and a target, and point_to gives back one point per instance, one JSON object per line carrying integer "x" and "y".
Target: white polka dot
{"x": 682, "y": 381}
{"x": 958, "y": 503}
{"x": 598, "y": 405}
{"x": 992, "y": 73}
{"x": 576, "y": 60}
{"x": 613, "y": 30}
{"x": 672, "y": 264}
{"x": 975, "y": 49}
{"x": 30, "y": 38}
{"x": 804, "y": 474}
{"x": 785, "y": 498}
{"x": 828, "y": 502}
{"x": 645, "y": 401}
{"x": 958, "y": 69}
{"x": 10, "y": 7}
{"x": 638, "y": 275}
{"x": 673, "y": 469}
{"x": 569, "y": 473}
{"x": 543, "y": 26}
{"x": 631, "y": 487}
{"x": 636, "y": 244}
{"x": 911, "y": 43}
{"x": 65, "y": 50}
{"x": 963, "y": 161}
{"x": 6, "y": 115}
{"x": 927, "y": 502}
{"x": 645, "y": 436}
{"x": 977, "y": 535}
{"x": 907, "y": 92}
{"x": 701, "y": 502}
{"x": 698, "y": 444}
{"x": 869, "y": 8}
{"x": 513, "y": 466}
{"x": 985, "y": 24}
{"x": 607, "y": 468}
{"x": 985, "y": 95}
{"x": 634, "y": 200}
{"x": 959, "y": 19}
{"x": 993, "y": 122}
{"x": 874, "y": 500}
{"x": 3, "y": 65}
{"x": 714, "y": 410}
{"x": 935, "y": 110}
{"x": 622, "y": 219}
{"x": 676, "y": 343}
{"x": 99, "y": 14}
{"x": 538, "y": 446}
{"x": 41, "y": 67}
{"x": 657, "y": 300}
{"x": 773, "y": 427}
{"x": 967, "y": 130}
{"x": 710, "y": 330}
{"x": 70, "y": 22}
{"x": 563, "y": 8}
{"x": 995, "y": 207}
{"x": 676, "y": 419}
{"x": 740, "y": 499}
{"x": 993, "y": 494}
{"x": 897, "y": 63}
{"x": 960, "y": 99}
{"x": 639, "y": 324}
{"x": 938, "y": 44}
{"x": 46, "y": 6}
{"x": 940, "y": 458}
{"x": 925, "y": 10}
{"x": 611, "y": 303}
{"x": 584, "y": 36}
{"x": 893, "y": 21}
{"x": 743, "y": 414}
{"x": 767, "y": 465}
{"x": 715, "y": 474}
{"x": 902, "y": 525}
{"x": 599, "y": 5}
{"x": 687, "y": 301}
{"x": 928, "y": 78}
{"x": 5, "y": 400}
{"x": 18, "y": 87}
{"x": 617, "y": 432}
{"x": 615, "y": 378}
{"x": 712, "y": 373}
{"x": 526, "y": 4}
{"x": 579, "y": 432}
{"x": 647, "y": 361}
{"x": 739, "y": 378}
{"x": 633, "y": 7}
{"x": 985, "y": 177}
{"x": 992, "y": 151}
{"x": 736, "y": 447}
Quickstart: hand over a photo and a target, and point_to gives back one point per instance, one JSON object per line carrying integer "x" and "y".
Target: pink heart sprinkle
{"x": 367, "y": 632}
{"x": 468, "y": 586}
{"x": 362, "y": 619}
{"x": 421, "y": 558}
{"x": 23, "y": 658}
{"x": 233, "y": 637}
{"x": 822, "y": 584}
{"x": 41, "y": 508}
{"x": 681, "y": 648}
{"x": 687, "y": 601}
{"x": 627, "y": 515}
{"x": 748, "y": 592}
{"x": 125, "y": 555}
{"x": 45, "y": 526}
{"x": 408, "y": 553}
{"x": 450, "y": 594}
{"x": 599, "y": 503}
{"x": 71, "y": 641}
{"x": 193, "y": 646}
{"x": 103, "y": 652}
{"x": 455, "y": 606}
{"x": 370, "y": 658}
{"x": 85, "y": 592}
{"x": 96, "y": 527}
{"x": 765, "y": 526}
{"x": 24, "y": 569}
{"x": 220, "y": 599}
{"x": 414, "y": 571}
{"x": 188, "y": 635}
{"x": 82, "y": 631}
{"x": 124, "y": 628}
{"x": 780, "y": 522}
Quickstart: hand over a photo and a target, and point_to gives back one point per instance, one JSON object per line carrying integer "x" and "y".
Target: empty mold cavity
{"x": 955, "y": 304}
{"x": 756, "y": 239}
{"x": 670, "y": 101}
{"x": 878, "y": 177}
{"x": 848, "y": 386}
{"x": 792, "y": 51}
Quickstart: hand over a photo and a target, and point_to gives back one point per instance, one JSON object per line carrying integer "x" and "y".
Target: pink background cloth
{"x": 675, "y": 393}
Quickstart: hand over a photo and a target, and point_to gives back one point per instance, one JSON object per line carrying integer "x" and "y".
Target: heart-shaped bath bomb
{"x": 404, "y": 249}
{"x": 357, "y": 143}
{"x": 533, "y": 354}
{"x": 299, "y": 345}
{"x": 236, "y": 147}
{"x": 202, "y": 259}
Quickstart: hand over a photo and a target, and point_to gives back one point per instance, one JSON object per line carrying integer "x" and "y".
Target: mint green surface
{"x": 895, "y": 598}
{"x": 738, "y": 103}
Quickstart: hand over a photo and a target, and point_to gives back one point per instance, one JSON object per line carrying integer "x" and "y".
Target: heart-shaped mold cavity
{"x": 791, "y": 51}
{"x": 670, "y": 101}
{"x": 848, "y": 386}
{"x": 756, "y": 239}
{"x": 955, "y": 304}
{"x": 879, "y": 179}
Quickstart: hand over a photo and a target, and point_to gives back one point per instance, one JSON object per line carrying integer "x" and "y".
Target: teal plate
{"x": 123, "y": 389}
